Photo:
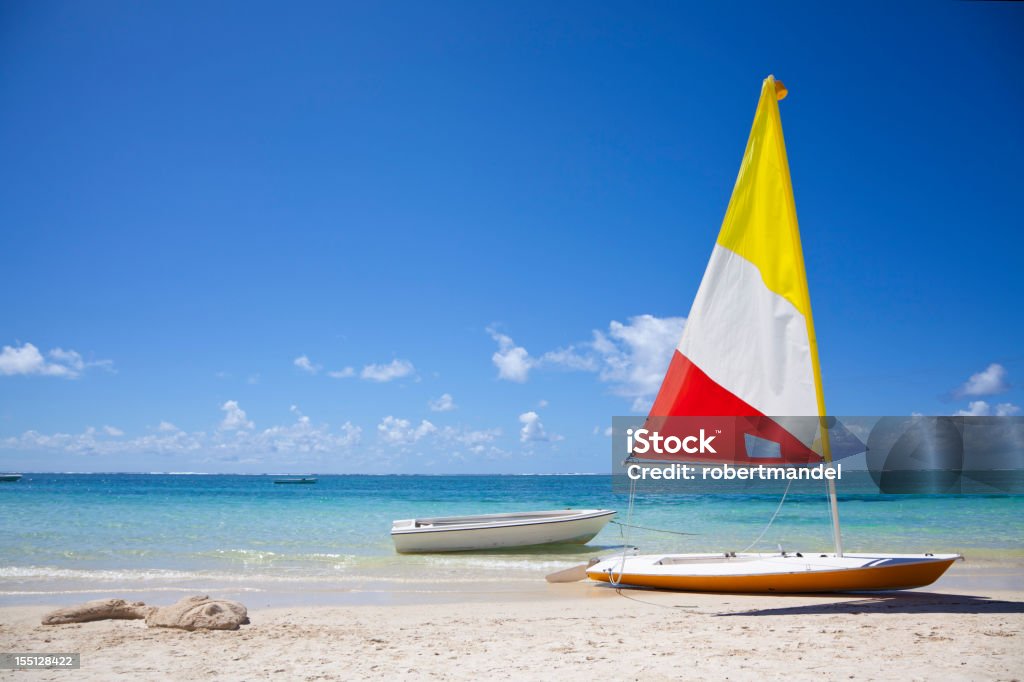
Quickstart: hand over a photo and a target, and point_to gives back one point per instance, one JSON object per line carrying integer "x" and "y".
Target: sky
{"x": 458, "y": 237}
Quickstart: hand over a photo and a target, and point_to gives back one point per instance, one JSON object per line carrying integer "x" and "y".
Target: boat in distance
{"x": 785, "y": 573}
{"x": 295, "y": 481}
{"x": 10, "y": 478}
{"x": 498, "y": 531}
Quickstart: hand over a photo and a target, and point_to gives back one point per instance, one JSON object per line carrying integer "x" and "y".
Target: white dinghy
{"x": 498, "y": 531}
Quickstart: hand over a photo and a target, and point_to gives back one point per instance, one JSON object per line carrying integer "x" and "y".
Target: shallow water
{"x": 152, "y": 533}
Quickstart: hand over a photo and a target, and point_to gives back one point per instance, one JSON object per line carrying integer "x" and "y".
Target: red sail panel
{"x": 688, "y": 392}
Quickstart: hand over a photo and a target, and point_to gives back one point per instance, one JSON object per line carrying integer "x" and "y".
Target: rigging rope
{"x": 656, "y": 530}
{"x": 772, "y": 519}
{"x": 615, "y": 582}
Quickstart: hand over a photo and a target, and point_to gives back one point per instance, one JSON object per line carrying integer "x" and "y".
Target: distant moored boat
{"x": 304, "y": 480}
{"x": 9, "y": 478}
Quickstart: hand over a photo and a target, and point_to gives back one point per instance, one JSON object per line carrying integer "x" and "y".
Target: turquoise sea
{"x": 94, "y": 534}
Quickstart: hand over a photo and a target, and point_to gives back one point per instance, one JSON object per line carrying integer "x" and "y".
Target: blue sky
{"x": 205, "y": 211}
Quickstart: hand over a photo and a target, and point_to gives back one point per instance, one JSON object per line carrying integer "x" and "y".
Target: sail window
{"x": 761, "y": 448}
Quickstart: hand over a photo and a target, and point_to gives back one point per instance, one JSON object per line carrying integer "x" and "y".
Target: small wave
{"x": 190, "y": 590}
{"x": 504, "y": 563}
{"x": 564, "y": 473}
{"x": 267, "y": 556}
{"x": 142, "y": 575}
{"x": 50, "y": 572}
{"x": 165, "y": 579}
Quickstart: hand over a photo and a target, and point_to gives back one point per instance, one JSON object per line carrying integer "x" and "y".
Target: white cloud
{"x": 443, "y": 404}
{"x": 570, "y": 358}
{"x": 301, "y": 437}
{"x": 641, "y": 404}
{"x": 397, "y": 431}
{"x": 513, "y": 362}
{"x": 990, "y": 381}
{"x": 27, "y": 360}
{"x": 237, "y": 440}
{"x": 306, "y": 365}
{"x": 234, "y": 417}
{"x": 253, "y": 379}
{"x": 396, "y": 369}
{"x": 479, "y": 441}
{"x": 276, "y": 444}
{"x": 542, "y": 403}
{"x": 635, "y": 355}
{"x": 977, "y": 408}
{"x": 454, "y": 441}
{"x": 88, "y": 443}
{"x": 630, "y": 357}
{"x": 533, "y": 429}
{"x": 980, "y": 408}
{"x": 1006, "y": 410}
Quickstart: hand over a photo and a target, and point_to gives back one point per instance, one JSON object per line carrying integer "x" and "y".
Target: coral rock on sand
{"x": 100, "y": 609}
{"x": 199, "y": 613}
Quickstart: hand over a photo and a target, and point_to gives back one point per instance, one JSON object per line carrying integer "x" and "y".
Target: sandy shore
{"x": 577, "y": 631}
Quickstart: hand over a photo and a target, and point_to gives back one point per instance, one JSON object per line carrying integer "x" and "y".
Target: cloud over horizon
{"x": 239, "y": 440}
{"x": 533, "y": 430}
{"x": 380, "y": 373}
{"x": 630, "y": 357}
{"x": 990, "y": 381}
{"x": 443, "y": 404}
{"x": 305, "y": 364}
{"x": 513, "y": 362}
{"x": 26, "y": 360}
{"x": 396, "y": 369}
{"x": 235, "y": 439}
{"x": 234, "y": 417}
{"x": 980, "y": 408}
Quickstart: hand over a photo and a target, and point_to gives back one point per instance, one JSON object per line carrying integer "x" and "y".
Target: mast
{"x": 826, "y": 446}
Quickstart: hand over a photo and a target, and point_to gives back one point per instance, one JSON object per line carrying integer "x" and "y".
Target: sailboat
{"x": 749, "y": 351}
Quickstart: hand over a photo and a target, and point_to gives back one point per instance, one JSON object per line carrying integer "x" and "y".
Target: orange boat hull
{"x": 900, "y": 577}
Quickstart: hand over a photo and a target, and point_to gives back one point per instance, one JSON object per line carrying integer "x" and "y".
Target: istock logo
{"x": 643, "y": 441}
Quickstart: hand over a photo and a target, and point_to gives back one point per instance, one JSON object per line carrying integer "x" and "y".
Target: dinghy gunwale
{"x": 567, "y": 516}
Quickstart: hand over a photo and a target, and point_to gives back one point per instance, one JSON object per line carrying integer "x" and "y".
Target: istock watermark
{"x": 685, "y": 472}
{"x": 887, "y": 455}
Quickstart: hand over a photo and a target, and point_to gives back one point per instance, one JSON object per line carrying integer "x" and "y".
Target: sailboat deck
{"x": 749, "y": 564}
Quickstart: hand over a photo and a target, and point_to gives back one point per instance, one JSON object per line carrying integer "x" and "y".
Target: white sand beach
{"x": 576, "y": 631}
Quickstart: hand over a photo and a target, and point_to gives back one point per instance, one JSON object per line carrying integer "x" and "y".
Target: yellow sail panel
{"x": 760, "y": 224}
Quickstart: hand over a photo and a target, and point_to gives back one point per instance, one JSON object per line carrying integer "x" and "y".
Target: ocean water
{"x": 146, "y": 533}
